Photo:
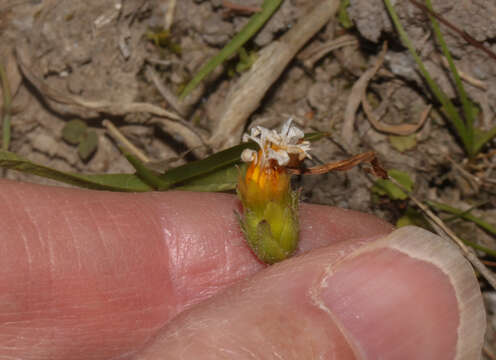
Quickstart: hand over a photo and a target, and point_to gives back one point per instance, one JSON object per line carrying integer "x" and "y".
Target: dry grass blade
{"x": 464, "y": 76}
{"x": 312, "y": 54}
{"x": 168, "y": 120}
{"x": 446, "y": 232}
{"x": 245, "y": 97}
{"x": 181, "y": 107}
{"x": 169, "y": 14}
{"x": 401, "y": 129}
{"x": 117, "y": 135}
{"x": 355, "y": 97}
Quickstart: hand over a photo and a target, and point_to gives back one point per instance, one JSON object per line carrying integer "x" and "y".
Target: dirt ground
{"x": 78, "y": 57}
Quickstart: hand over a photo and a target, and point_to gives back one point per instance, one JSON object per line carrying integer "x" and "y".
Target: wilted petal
{"x": 249, "y": 155}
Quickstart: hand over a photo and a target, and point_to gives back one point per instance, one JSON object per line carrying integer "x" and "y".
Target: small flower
{"x": 270, "y": 218}
{"x": 286, "y": 147}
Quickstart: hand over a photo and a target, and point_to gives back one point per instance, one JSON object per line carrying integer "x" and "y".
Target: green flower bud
{"x": 270, "y": 207}
{"x": 270, "y": 223}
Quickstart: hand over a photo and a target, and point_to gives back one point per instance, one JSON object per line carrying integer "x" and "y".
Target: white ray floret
{"x": 278, "y": 146}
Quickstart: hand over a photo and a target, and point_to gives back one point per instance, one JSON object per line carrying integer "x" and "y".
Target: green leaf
{"x": 149, "y": 176}
{"x": 7, "y": 103}
{"x": 222, "y": 159}
{"x": 250, "y": 29}
{"x": 246, "y": 60}
{"x": 224, "y": 179}
{"x": 403, "y": 143}
{"x": 387, "y": 188}
{"x": 74, "y": 131}
{"x": 88, "y": 145}
{"x": 482, "y": 137}
{"x": 343, "y": 17}
{"x": 111, "y": 182}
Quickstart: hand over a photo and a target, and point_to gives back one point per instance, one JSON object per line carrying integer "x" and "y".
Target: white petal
{"x": 280, "y": 156}
{"x": 255, "y": 131}
{"x": 249, "y": 155}
{"x": 285, "y": 127}
{"x": 294, "y": 135}
{"x": 246, "y": 137}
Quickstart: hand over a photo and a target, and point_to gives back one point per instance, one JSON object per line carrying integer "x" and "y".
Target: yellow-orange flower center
{"x": 262, "y": 183}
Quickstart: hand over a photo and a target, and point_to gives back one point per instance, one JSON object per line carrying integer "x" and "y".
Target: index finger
{"x": 102, "y": 272}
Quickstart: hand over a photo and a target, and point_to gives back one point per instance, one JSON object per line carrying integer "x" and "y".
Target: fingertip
{"x": 410, "y": 295}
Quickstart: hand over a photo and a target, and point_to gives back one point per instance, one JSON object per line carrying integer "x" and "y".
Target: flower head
{"x": 270, "y": 220}
{"x": 286, "y": 147}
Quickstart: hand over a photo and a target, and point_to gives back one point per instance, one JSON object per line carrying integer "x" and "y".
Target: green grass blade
{"x": 6, "y": 109}
{"x": 114, "y": 182}
{"x": 111, "y": 182}
{"x": 467, "y": 216}
{"x": 447, "y": 105}
{"x": 195, "y": 169}
{"x": 480, "y": 248}
{"x": 224, "y": 179}
{"x": 468, "y": 107}
{"x": 148, "y": 176}
{"x": 482, "y": 137}
{"x": 464, "y": 215}
{"x": 250, "y": 29}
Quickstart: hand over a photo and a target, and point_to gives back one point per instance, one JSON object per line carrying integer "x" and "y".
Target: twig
{"x": 472, "y": 179}
{"x": 117, "y": 135}
{"x": 159, "y": 61}
{"x": 313, "y": 54}
{"x": 169, "y": 15}
{"x": 463, "y": 75}
{"x": 446, "y": 232}
{"x": 173, "y": 100}
{"x": 245, "y": 96}
{"x": 355, "y": 97}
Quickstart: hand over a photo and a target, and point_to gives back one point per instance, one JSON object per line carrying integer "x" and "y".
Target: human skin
{"x": 101, "y": 275}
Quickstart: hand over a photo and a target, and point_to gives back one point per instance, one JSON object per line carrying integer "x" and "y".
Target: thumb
{"x": 409, "y": 295}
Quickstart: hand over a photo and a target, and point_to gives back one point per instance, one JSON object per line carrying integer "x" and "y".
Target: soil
{"x": 101, "y": 50}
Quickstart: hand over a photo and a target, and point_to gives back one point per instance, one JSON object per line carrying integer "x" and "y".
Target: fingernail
{"x": 410, "y": 295}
